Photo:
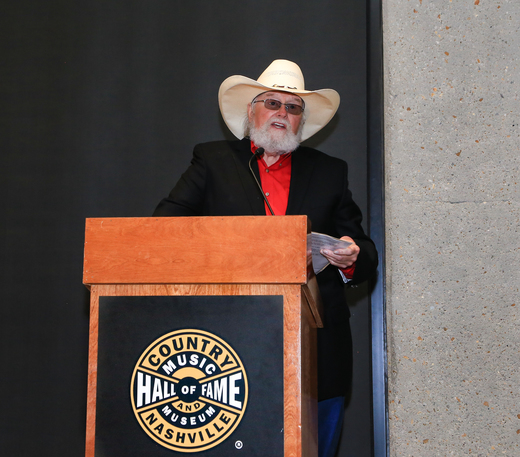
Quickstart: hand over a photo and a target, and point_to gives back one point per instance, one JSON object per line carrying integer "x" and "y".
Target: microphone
{"x": 256, "y": 156}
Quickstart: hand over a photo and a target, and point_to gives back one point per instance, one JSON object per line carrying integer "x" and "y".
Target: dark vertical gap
{"x": 376, "y": 198}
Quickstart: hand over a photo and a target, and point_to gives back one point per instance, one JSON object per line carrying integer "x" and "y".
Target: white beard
{"x": 276, "y": 141}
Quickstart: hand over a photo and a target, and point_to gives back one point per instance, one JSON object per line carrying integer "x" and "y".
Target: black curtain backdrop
{"x": 101, "y": 103}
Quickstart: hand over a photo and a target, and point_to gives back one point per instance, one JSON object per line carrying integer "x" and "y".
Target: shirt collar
{"x": 279, "y": 162}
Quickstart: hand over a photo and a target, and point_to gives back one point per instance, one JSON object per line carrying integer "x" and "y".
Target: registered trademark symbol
{"x": 239, "y": 444}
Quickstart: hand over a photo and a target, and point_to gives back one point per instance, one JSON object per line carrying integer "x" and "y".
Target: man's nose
{"x": 282, "y": 112}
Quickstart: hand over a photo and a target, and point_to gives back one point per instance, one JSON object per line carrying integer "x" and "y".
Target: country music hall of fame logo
{"x": 189, "y": 390}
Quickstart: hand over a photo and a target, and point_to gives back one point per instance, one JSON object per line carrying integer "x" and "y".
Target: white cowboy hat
{"x": 282, "y": 75}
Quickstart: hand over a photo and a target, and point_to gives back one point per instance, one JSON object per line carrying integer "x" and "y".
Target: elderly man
{"x": 274, "y": 114}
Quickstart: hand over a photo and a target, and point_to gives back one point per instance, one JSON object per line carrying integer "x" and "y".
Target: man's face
{"x": 260, "y": 115}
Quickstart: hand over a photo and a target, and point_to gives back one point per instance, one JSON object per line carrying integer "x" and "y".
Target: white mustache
{"x": 278, "y": 121}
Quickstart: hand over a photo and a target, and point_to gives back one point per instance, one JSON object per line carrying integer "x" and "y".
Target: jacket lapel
{"x": 241, "y": 157}
{"x": 301, "y": 176}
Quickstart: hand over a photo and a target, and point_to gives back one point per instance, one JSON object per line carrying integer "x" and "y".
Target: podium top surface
{"x": 196, "y": 250}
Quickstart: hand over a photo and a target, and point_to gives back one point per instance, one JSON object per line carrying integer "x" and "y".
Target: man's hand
{"x": 342, "y": 258}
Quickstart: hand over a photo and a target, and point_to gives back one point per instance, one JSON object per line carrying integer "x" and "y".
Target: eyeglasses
{"x": 272, "y": 104}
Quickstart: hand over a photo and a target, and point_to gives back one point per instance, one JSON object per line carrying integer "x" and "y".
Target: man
{"x": 278, "y": 113}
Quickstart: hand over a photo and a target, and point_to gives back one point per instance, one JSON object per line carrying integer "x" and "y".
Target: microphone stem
{"x": 256, "y": 155}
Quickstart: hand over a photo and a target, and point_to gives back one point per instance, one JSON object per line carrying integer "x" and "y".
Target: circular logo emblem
{"x": 189, "y": 390}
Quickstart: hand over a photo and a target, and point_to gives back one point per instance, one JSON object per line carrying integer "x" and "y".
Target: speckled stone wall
{"x": 452, "y": 156}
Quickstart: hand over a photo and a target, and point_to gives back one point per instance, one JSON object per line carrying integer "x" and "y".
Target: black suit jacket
{"x": 219, "y": 183}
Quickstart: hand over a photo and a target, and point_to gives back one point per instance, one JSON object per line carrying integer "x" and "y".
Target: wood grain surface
{"x": 185, "y": 250}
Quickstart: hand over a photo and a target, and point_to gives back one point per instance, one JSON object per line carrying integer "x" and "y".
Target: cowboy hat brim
{"x": 236, "y": 92}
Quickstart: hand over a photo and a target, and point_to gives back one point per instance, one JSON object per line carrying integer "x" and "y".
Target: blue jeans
{"x": 330, "y": 423}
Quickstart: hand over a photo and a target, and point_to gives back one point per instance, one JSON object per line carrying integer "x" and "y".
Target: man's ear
{"x": 249, "y": 111}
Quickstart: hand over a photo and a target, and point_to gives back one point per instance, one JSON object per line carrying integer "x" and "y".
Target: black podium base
{"x": 190, "y": 375}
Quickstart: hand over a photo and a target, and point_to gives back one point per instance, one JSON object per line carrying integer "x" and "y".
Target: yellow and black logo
{"x": 189, "y": 390}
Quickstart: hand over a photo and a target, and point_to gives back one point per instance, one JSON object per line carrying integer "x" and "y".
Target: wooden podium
{"x": 202, "y": 337}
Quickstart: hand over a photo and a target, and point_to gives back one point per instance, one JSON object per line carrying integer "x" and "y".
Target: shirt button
{"x": 267, "y": 170}
{"x": 267, "y": 194}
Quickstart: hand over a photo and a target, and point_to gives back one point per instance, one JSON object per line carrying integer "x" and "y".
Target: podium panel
{"x": 189, "y": 374}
